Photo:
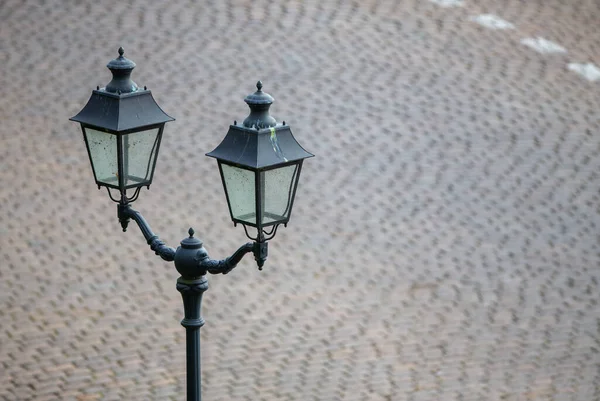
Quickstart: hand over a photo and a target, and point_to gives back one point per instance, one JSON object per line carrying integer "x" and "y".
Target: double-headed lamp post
{"x": 259, "y": 162}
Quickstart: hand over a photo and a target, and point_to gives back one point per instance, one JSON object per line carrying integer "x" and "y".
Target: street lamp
{"x": 259, "y": 162}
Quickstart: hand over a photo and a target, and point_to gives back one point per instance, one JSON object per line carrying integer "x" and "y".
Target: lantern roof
{"x": 121, "y": 106}
{"x": 259, "y": 149}
{"x": 259, "y": 142}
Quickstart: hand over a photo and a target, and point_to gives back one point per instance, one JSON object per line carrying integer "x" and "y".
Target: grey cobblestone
{"x": 444, "y": 244}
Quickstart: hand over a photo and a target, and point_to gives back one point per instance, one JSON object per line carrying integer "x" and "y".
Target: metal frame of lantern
{"x": 122, "y": 139}
{"x": 111, "y": 111}
{"x": 263, "y": 235}
{"x": 268, "y": 146}
{"x": 259, "y": 212}
{"x": 123, "y": 111}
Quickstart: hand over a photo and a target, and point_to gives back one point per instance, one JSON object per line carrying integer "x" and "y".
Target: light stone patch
{"x": 492, "y": 21}
{"x": 543, "y": 46}
{"x": 589, "y": 71}
{"x": 448, "y": 3}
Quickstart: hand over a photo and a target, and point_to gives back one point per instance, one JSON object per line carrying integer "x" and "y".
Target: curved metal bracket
{"x": 125, "y": 213}
{"x": 224, "y": 266}
{"x": 201, "y": 263}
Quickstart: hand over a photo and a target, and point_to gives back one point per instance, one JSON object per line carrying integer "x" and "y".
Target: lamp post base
{"x": 191, "y": 291}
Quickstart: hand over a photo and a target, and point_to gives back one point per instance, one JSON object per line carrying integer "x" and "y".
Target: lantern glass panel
{"x": 241, "y": 192}
{"x": 278, "y": 195}
{"x": 139, "y": 155}
{"x": 103, "y": 152}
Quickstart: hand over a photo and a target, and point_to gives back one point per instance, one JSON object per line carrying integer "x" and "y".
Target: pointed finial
{"x": 259, "y": 86}
{"x": 121, "y": 52}
{"x": 191, "y": 232}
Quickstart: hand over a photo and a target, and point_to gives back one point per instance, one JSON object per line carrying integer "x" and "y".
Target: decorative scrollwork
{"x": 165, "y": 252}
{"x": 226, "y": 265}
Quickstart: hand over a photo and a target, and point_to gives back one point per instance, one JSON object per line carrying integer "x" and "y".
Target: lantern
{"x": 122, "y": 128}
{"x": 260, "y": 163}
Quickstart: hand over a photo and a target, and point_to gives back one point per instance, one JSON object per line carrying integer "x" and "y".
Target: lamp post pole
{"x": 259, "y": 163}
{"x": 191, "y": 291}
{"x": 193, "y": 263}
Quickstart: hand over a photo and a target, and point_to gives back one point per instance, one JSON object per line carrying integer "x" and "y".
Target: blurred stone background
{"x": 444, "y": 244}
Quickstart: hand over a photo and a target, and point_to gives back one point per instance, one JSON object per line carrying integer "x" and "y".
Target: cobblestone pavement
{"x": 444, "y": 243}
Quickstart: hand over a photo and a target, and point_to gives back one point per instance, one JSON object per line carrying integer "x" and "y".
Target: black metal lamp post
{"x": 259, "y": 162}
